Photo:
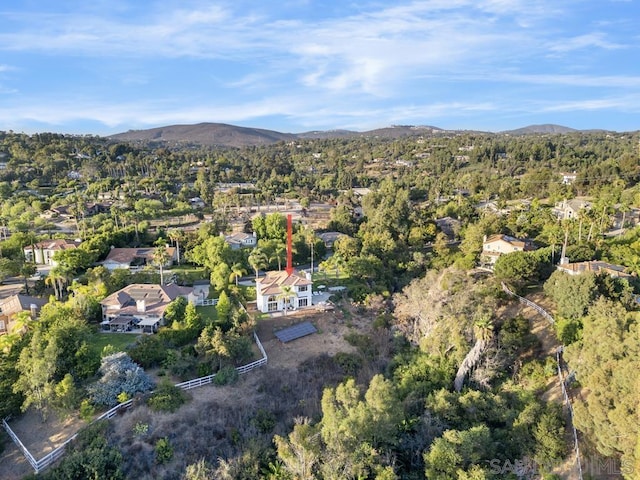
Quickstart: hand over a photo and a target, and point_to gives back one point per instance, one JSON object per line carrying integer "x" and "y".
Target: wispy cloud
{"x": 355, "y": 64}
{"x": 626, "y": 103}
{"x": 590, "y": 40}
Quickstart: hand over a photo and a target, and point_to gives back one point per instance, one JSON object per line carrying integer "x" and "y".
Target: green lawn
{"x": 208, "y": 313}
{"x": 119, "y": 340}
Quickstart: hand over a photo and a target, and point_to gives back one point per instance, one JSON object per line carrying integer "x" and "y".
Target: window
{"x": 302, "y": 302}
{"x": 2, "y": 327}
{"x": 272, "y": 304}
{"x": 303, "y": 288}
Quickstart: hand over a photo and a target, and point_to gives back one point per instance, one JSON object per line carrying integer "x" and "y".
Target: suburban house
{"x": 42, "y": 252}
{"x": 568, "y": 178}
{"x": 11, "y": 306}
{"x": 500, "y": 244}
{"x": 329, "y": 238}
{"x": 270, "y": 296}
{"x": 139, "y": 308}
{"x": 594, "y": 266}
{"x": 134, "y": 258}
{"x": 569, "y": 209}
{"x": 240, "y": 240}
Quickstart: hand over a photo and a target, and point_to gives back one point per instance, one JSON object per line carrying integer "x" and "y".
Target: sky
{"x": 106, "y": 66}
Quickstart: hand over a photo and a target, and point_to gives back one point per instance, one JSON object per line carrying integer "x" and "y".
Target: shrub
{"x": 149, "y": 351}
{"x": 87, "y": 410}
{"x": 264, "y": 421}
{"x": 349, "y": 362}
{"x": 140, "y": 429}
{"x": 204, "y": 369}
{"x": 164, "y": 450}
{"x": 568, "y": 330}
{"x": 123, "y": 397}
{"x": 225, "y": 376}
{"x": 120, "y": 375}
{"x": 178, "y": 337}
{"x": 167, "y": 398}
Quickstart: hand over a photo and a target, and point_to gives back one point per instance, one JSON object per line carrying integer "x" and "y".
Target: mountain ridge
{"x": 227, "y": 135}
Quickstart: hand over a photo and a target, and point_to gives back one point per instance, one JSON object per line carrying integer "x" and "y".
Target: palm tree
{"x": 27, "y": 270}
{"x": 237, "y": 270}
{"x": 56, "y": 279}
{"x": 483, "y": 332}
{"x": 258, "y": 260}
{"x": 176, "y": 235}
{"x": 286, "y": 295}
{"x": 160, "y": 258}
{"x": 278, "y": 250}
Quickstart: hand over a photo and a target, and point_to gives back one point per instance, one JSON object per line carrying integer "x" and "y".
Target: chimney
{"x": 33, "y": 308}
{"x": 141, "y": 306}
{"x": 289, "y": 268}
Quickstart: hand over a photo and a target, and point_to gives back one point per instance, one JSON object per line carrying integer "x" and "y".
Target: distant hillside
{"x": 206, "y": 134}
{"x": 234, "y": 136}
{"x": 546, "y": 128}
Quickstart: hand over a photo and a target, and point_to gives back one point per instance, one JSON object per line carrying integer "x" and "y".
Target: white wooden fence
{"x": 22, "y": 448}
{"x": 561, "y": 379}
{"x": 47, "y": 460}
{"x": 202, "y": 302}
{"x": 199, "y": 382}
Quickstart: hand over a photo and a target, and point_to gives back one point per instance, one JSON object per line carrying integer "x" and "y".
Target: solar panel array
{"x": 297, "y": 331}
{"x": 149, "y": 295}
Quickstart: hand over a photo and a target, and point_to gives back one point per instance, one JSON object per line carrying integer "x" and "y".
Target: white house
{"x": 569, "y": 209}
{"x": 269, "y": 292}
{"x": 240, "y": 240}
{"x": 42, "y": 252}
{"x": 497, "y": 245}
{"x": 140, "y": 307}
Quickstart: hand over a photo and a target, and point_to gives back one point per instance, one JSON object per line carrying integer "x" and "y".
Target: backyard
{"x": 119, "y": 341}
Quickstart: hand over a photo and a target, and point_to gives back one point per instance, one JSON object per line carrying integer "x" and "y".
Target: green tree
{"x": 286, "y": 295}
{"x": 258, "y": 260}
{"x": 605, "y": 361}
{"x": 8, "y": 268}
{"x": 353, "y": 427}
{"x": 175, "y": 311}
{"x": 237, "y": 271}
{"x": 73, "y": 261}
{"x": 66, "y": 395}
{"x": 517, "y": 267}
{"x": 192, "y": 319}
{"x": 220, "y": 276}
{"x": 160, "y": 259}
{"x": 223, "y": 308}
{"x": 37, "y": 367}
{"x": 301, "y": 451}
{"x": 211, "y": 252}
{"x": 573, "y": 294}
{"x": 457, "y": 453}
{"x": 27, "y": 270}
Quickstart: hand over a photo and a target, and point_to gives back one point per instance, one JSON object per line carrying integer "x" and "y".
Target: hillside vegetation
{"x": 435, "y": 372}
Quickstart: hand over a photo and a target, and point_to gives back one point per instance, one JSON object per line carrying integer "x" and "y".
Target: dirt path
{"x": 549, "y": 344}
{"x": 39, "y": 437}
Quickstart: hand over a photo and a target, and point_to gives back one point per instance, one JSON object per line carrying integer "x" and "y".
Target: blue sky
{"x": 106, "y": 66}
